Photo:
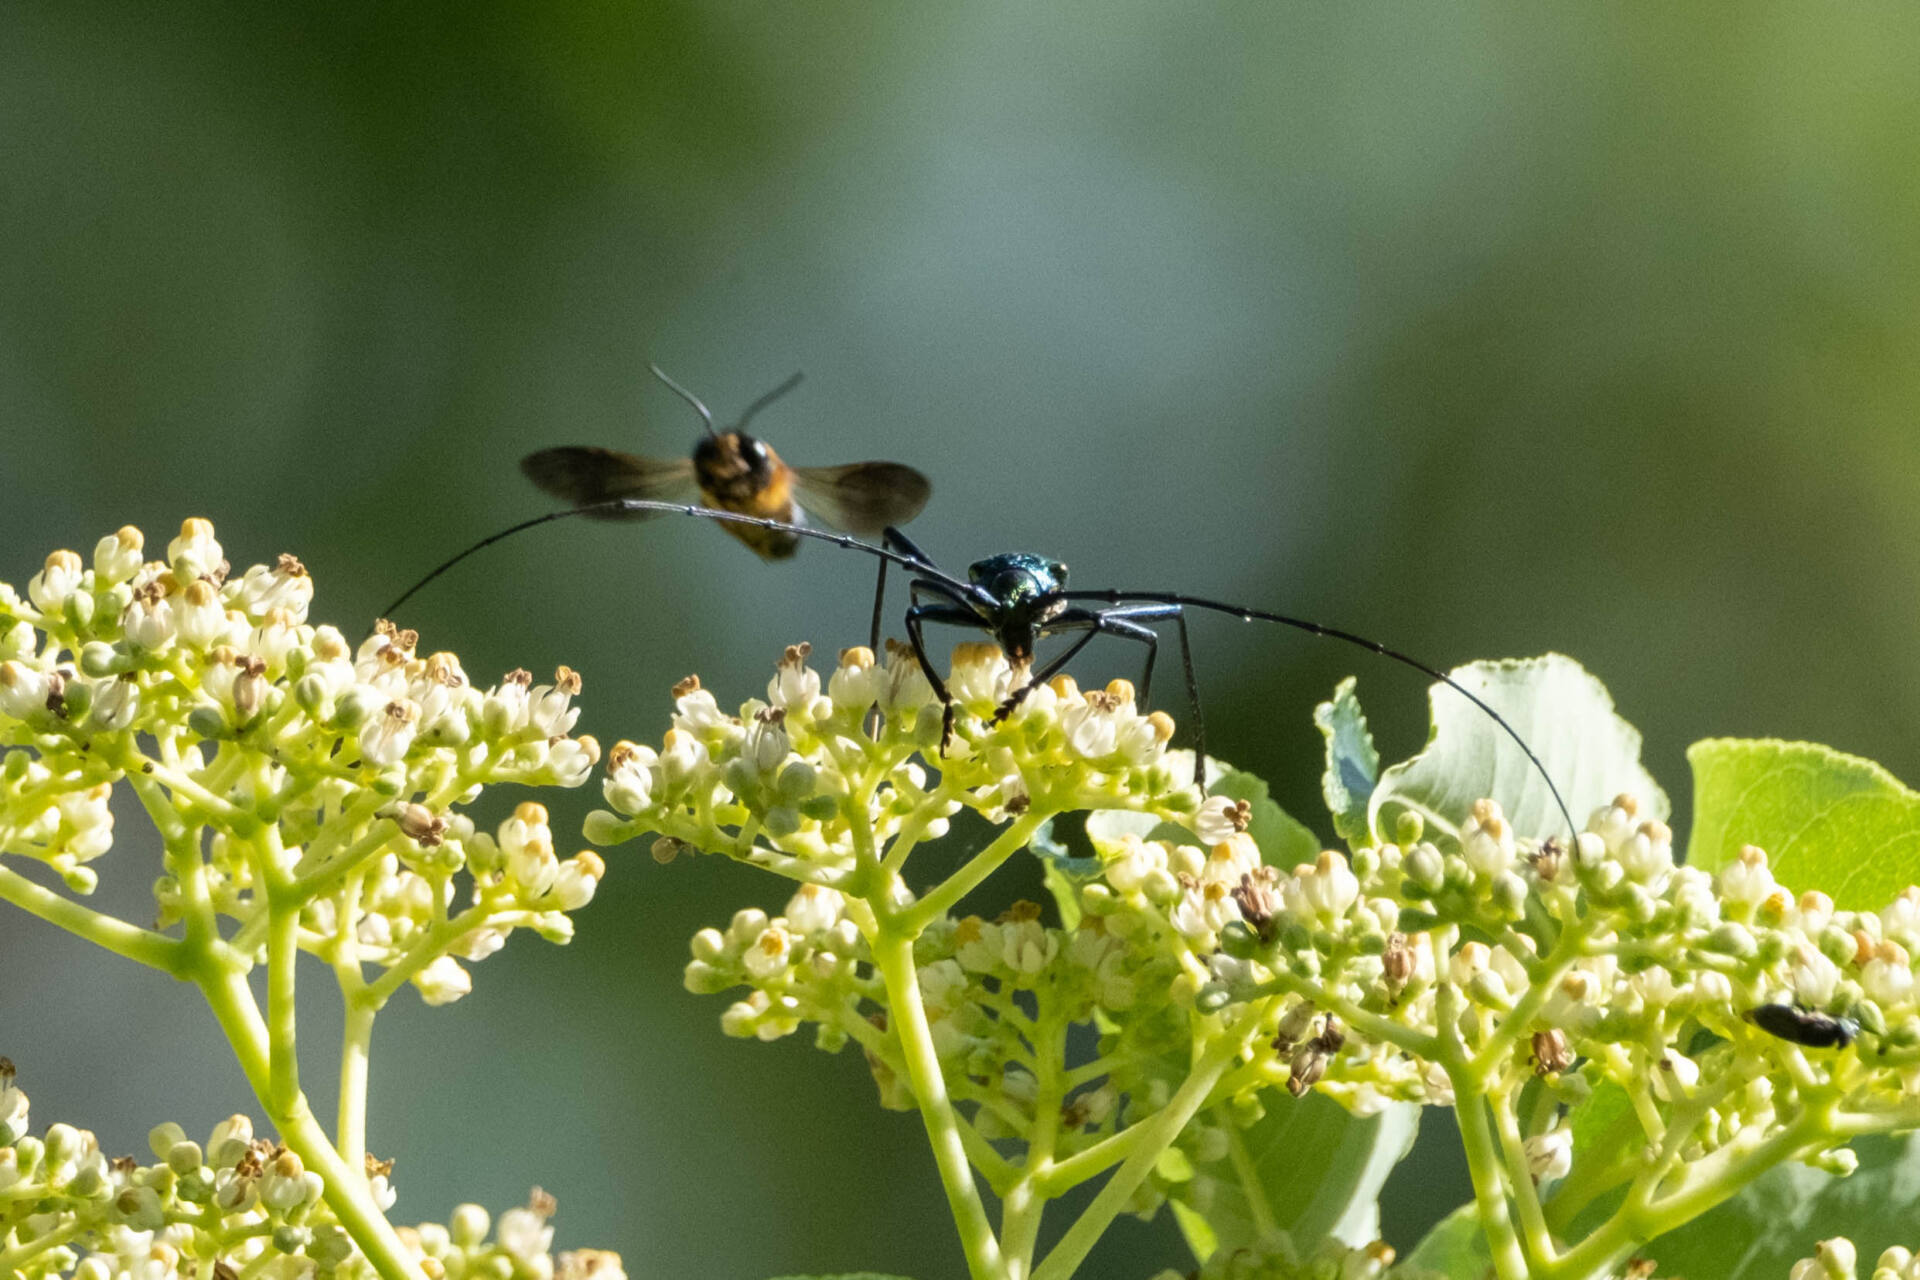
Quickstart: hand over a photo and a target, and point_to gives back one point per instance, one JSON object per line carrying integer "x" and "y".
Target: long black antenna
{"x": 915, "y": 563}
{"x": 692, "y": 399}
{"x": 768, "y": 399}
{"x": 1334, "y": 633}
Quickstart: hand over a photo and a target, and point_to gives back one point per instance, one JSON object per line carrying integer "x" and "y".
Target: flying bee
{"x": 733, "y": 471}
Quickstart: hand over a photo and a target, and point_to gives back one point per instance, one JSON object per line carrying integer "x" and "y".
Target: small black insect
{"x": 1806, "y": 1027}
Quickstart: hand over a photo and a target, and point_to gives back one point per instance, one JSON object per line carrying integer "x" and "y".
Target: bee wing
{"x": 584, "y": 475}
{"x": 862, "y": 497}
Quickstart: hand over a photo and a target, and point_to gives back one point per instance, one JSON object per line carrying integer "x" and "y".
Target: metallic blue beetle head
{"x": 1018, "y": 577}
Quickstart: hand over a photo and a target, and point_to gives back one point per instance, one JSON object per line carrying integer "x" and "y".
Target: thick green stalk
{"x": 978, "y": 868}
{"x": 1489, "y": 1181}
{"x": 893, "y": 955}
{"x": 346, "y": 1192}
{"x": 155, "y": 950}
{"x": 356, "y": 1039}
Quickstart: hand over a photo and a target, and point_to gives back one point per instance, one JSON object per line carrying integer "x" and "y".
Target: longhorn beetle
{"x": 1018, "y": 598}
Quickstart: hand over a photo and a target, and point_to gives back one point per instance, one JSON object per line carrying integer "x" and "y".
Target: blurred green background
{"x": 1484, "y": 332}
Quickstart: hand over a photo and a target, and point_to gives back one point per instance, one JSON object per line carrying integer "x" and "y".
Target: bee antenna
{"x": 768, "y": 399}
{"x": 705, "y": 414}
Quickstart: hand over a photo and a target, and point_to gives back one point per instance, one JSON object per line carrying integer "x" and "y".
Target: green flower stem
{"x": 1483, "y": 1157}
{"x": 1066, "y": 1174}
{"x": 1542, "y": 979}
{"x": 185, "y": 789}
{"x": 1025, "y": 1202}
{"x": 356, "y": 1039}
{"x": 797, "y": 869}
{"x": 1537, "y": 1240}
{"x": 283, "y": 953}
{"x": 1372, "y": 1025}
{"x": 1489, "y": 1176}
{"x": 893, "y": 956}
{"x": 155, "y": 950}
{"x": 1011, "y": 1116}
{"x": 314, "y": 878}
{"x": 1850, "y": 1124}
{"x": 346, "y": 1193}
{"x": 1159, "y": 1134}
{"x": 1093, "y": 1069}
{"x": 914, "y": 829}
{"x": 993, "y": 1166}
{"x": 356, "y": 1034}
{"x": 320, "y": 849}
{"x": 977, "y": 869}
{"x": 12, "y": 1259}
{"x": 1687, "y": 1118}
{"x": 426, "y": 948}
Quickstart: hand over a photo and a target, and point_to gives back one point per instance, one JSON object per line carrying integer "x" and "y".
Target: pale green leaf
{"x": 1827, "y": 820}
{"x": 1567, "y": 717}
{"x": 1353, "y": 765}
{"x": 1763, "y": 1231}
{"x": 1456, "y": 1248}
{"x": 1264, "y": 1182}
{"x": 1595, "y": 1119}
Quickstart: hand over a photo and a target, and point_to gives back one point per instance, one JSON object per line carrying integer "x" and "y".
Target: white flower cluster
{"x": 780, "y": 771}
{"x": 274, "y": 754}
{"x": 804, "y": 965}
{"x": 1608, "y": 953}
{"x": 233, "y": 1205}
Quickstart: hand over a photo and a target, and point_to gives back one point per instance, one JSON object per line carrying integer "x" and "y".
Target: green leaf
{"x": 1595, "y": 1118}
{"x": 1063, "y": 873}
{"x": 1267, "y": 1181}
{"x": 1353, "y": 765}
{"x": 1284, "y": 842}
{"x": 1194, "y": 1229}
{"x": 1775, "y": 1222}
{"x": 1824, "y": 818}
{"x": 1455, "y": 1248}
{"x": 1564, "y": 713}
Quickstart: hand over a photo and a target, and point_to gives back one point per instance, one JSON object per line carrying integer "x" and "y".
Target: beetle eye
{"x": 1058, "y": 570}
{"x": 755, "y": 451}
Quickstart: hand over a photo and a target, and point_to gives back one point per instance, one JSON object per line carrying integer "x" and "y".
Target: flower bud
{"x": 195, "y": 553}
{"x": 117, "y": 557}
{"x": 443, "y": 981}
{"x": 1425, "y": 868}
{"x": 468, "y": 1226}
